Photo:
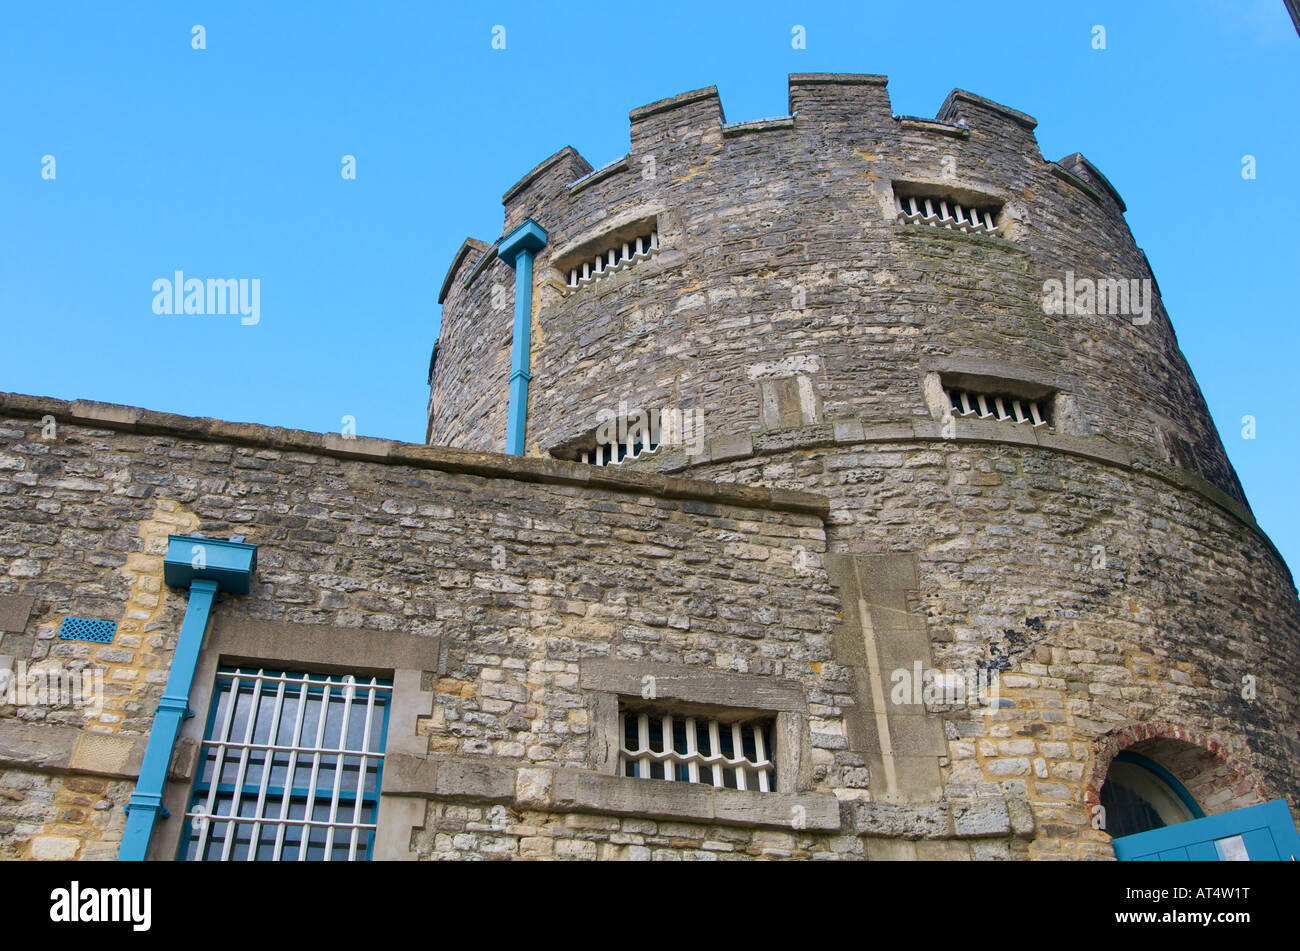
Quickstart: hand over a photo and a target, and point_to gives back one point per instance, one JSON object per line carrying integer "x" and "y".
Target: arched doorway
{"x": 1140, "y": 795}
{"x": 1168, "y": 794}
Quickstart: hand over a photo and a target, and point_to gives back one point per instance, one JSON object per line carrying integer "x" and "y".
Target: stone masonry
{"x": 835, "y": 529}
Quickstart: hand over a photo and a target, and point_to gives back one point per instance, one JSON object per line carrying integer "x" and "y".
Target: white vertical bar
{"x": 760, "y": 752}
{"x": 984, "y": 406}
{"x": 643, "y": 744}
{"x": 310, "y": 808}
{"x": 715, "y": 747}
{"x": 988, "y": 222}
{"x": 229, "y": 844}
{"x": 966, "y": 408}
{"x": 654, "y": 240}
{"x": 573, "y": 277}
{"x": 1001, "y": 410}
{"x": 223, "y": 736}
{"x": 670, "y": 765}
{"x": 349, "y": 692}
{"x": 692, "y": 748}
{"x": 738, "y": 748}
{"x": 361, "y": 776}
{"x": 268, "y": 757}
{"x": 912, "y": 201}
{"x": 293, "y": 768}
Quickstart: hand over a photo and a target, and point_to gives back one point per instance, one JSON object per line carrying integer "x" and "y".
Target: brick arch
{"x": 1242, "y": 778}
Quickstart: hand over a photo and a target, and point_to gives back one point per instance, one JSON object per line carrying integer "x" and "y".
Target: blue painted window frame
{"x": 226, "y": 676}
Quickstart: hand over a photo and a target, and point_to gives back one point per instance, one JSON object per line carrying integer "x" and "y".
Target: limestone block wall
{"x": 525, "y": 597}
{"x": 501, "y": 580}
{"x": 1108, "y": 592}
{"x": 781, "y": 259}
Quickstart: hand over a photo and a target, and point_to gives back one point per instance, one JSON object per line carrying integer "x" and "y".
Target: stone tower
{"x": 959, "y": 344}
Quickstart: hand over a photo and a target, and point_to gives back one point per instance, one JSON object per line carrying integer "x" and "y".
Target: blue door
{"x": 1263, "y": 833}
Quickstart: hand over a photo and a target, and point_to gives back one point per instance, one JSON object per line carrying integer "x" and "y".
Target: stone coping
{"x": 489, "y": 465}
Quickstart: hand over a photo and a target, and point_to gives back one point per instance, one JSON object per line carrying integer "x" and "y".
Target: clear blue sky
{"x": 225, "y": 162}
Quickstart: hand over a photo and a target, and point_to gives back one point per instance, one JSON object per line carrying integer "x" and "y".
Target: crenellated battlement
{"x": 851, "y": 108}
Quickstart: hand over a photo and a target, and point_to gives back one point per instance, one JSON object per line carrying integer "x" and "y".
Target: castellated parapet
{"x": 1103, "y": 558}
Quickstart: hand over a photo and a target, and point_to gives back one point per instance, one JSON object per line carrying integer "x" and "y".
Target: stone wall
{"x": 781, "y": 258}
{"x": 516, "y": 600}
{"x": 1110, "y": 594}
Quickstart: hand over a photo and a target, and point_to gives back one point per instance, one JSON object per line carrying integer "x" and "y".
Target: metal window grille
{"x": 946, "y": 213}
{"x": 696, "y": 749}
{"x": 87, "y": 629}
{"x": 616, "y": 453}
{"x": 1007, "y": 409}
{"x": 614, "y": 257}
{"x": 290, "y": 768}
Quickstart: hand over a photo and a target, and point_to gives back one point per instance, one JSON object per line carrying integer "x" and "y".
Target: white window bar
{"x": 349, "y": 692}
{"x": 205, "y": 823}
{"x": 965, "y": 403}
{"x": 223, "y": 748}
{"x": 231, "y": 830}
{"x": 293, "y": 769}
{"x": 613, "y": 258}
{"x": 756, "y": 773}
{"x": 949, "y": 214}
{"x": 268, "y": 758}
{"x": 638, "y": 442}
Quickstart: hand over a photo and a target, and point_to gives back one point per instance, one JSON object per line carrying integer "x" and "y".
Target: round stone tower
{"x": 960, "y": 345}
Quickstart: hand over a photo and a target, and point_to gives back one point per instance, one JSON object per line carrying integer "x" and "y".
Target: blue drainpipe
{"x": 205, "y": 566}
{"x": 517, "y": 250}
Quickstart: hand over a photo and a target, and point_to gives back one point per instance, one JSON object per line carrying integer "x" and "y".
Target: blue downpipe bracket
{"x": 206, "y": 566}
{"x": 517, "y": 250}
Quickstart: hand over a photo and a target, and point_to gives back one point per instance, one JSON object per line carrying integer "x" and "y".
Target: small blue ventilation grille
{"x": 85, "y": 629}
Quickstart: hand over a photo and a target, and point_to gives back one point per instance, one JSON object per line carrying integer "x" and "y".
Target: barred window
{"x": 939, "y": 212}
{"x": 290, "y": 768}
{"x": 1004, "y": 408}
{"x": 617, "y": 255}
{"x": 734, "y": 754}
{"x": 620, "y": 451}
